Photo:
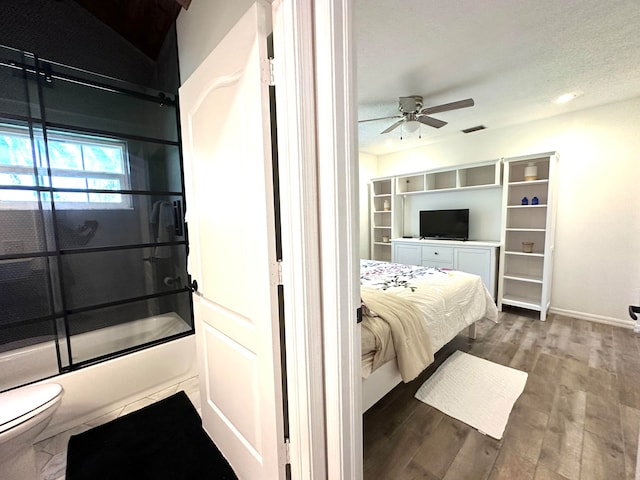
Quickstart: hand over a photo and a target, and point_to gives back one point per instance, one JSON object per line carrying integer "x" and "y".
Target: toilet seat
{"x": 19, "y": 405}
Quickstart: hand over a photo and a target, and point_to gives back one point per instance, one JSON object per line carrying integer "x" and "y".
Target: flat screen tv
{"x": 445, "y": 224}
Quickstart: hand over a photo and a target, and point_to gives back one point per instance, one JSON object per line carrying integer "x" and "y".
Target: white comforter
{"x": 434, "y": 305}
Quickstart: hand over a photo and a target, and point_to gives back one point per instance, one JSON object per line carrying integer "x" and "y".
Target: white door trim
{"x": 314, "y": 59}
{"x": 339, "y": 222}
{"x": 295, "y": 106}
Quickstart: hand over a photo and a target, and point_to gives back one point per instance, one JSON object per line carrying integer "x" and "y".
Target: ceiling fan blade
{"x": 432, "y": 122}
{"x": 395, "y": 125}
{"x": 380, "y": 118}
{"x": 445, "y": 107}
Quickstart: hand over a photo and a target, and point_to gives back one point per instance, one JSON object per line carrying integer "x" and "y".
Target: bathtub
{"x": 101, "y": 388}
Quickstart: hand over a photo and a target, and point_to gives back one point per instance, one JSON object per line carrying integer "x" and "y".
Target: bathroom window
{"x": 84, "y": 170}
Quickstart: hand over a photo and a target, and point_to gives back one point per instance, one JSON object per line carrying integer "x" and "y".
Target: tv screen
{"x": 445, "y": 224}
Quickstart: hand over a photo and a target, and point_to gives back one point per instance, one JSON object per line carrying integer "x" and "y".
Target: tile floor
{"x": 51, "y": 453}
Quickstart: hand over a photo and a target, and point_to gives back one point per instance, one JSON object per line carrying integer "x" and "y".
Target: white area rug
{"x": 477, "y": 392}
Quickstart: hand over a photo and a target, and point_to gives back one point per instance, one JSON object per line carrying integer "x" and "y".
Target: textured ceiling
{"x": 513, "y": 57}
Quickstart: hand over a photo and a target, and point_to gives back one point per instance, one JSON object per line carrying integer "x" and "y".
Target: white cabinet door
{"x": 477, "y": 261}
{"x": 230, "y": 213}
{"x": 407, "y": 254}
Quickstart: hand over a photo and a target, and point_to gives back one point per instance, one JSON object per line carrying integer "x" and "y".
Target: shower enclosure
{"x": 93, "y": 243}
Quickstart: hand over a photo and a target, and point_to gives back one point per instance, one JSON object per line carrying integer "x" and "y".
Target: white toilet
{"x": 24, "y": 414}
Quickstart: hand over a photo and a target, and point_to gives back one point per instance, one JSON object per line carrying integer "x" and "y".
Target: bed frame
{"x": 385, "y": 378}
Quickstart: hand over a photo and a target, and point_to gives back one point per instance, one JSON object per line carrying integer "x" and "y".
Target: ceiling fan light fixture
{"x": 411, "y": 126}
{"x": 413, "y": 117}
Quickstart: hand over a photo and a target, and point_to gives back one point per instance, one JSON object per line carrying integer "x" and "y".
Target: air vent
{"x": 473, "y": 129}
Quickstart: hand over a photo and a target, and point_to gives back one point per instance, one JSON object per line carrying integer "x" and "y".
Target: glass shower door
{"x": 93, "y": 253}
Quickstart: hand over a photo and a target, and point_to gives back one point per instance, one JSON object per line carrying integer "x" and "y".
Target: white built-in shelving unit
{"x": 525, "y": 276}
{"x": 382, "y": 217}
{"x": 387, "y": 224}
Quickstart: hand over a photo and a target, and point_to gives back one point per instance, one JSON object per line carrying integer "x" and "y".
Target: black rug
{"x": 164, "y": 440}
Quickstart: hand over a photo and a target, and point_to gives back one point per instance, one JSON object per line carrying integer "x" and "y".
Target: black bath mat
{"x": 164, "y": 440}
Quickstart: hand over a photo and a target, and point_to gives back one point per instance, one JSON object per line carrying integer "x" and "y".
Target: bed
{"x": 408, "y": 313}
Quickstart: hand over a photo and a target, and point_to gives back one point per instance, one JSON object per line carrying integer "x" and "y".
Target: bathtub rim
{"x": 48, "y": 346}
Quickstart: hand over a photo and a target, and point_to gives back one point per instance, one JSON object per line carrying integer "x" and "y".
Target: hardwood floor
{"x": 578, "y": 417}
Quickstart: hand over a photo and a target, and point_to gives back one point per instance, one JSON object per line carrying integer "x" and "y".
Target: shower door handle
{"x": 177, "y": 217}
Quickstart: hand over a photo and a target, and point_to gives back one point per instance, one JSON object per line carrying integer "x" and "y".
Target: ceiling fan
{"x": 412, "y": 113}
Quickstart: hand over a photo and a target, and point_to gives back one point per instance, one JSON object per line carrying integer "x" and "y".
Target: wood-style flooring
{"x": 578, "y": 417}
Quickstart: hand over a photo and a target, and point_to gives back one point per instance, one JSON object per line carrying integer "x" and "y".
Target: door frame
{"x": 296, "y": 138}
{"x": 317, "y": 150}
{"x": 335, "y": 62}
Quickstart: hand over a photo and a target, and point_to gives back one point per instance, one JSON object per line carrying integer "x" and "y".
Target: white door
{"x": 230, "y": 215}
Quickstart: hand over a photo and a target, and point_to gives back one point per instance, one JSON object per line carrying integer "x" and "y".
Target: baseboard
{"x": 637, "y": 462}
{"x": 594, "y": 318}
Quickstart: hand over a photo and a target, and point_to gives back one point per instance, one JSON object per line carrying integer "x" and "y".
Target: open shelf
{"x": 524, "y": 265}
{"x": 516, "y": 172}
{"x": 381, "y": 251}
{"x": 382, "y": 218}
{"x": 524, "y": 254}
{"x": 528, "y": 183}
{"x": 526, "y": 217}
{"x": 516, "y": 192}
{"x": 478, "y": 176}
{"x": 411, "y": 184}
{"x": 522, "y": 302}
{"x": 442, "y": 180}
{"x": 382, "y": 187}
{"x": 515, "y": 238}
{"x": 523, "y": 291}
{"x": 379, "y": 202}
{"x": 531, "y": 207}
{"x": 524, "y": 278}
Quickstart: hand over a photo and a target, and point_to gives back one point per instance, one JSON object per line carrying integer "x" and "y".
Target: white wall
{"x": 202, "y": 27}
{"x": 597, "y": 268}
{"x": 484, "y": 211}
{"x": 368, "y": 168}
{"x": 597, "y": 265}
